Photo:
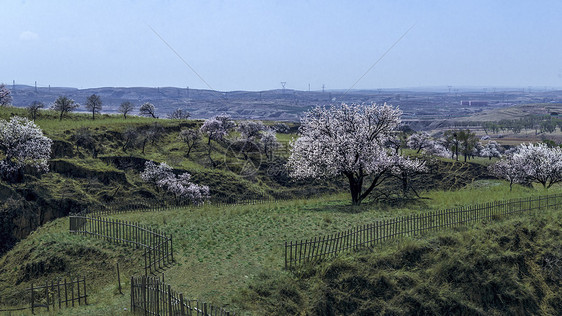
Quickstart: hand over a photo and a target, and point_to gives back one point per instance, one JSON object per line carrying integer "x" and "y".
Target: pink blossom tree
{"x": 346, "y": 140}
{"x": 22, "y": 144}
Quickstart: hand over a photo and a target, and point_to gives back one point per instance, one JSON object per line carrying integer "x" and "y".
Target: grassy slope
{"x": 516, "y": 112}
{"x": 218, "y": 250}
{"x": 511, "y": 267}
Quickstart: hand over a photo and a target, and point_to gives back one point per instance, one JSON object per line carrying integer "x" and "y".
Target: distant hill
{"x": 288, "y": 105}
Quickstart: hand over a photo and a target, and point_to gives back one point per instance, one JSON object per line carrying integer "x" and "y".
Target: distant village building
{"x": 474, "y": 103}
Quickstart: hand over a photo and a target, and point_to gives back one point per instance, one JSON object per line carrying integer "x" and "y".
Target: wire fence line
{"x": 150, "y": 296}
{"x": 157, "y": 245}
{"x": 368, "y": 236}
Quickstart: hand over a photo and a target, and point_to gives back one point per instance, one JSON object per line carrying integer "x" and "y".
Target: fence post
{"x": 58, "y": 292}
{"x": 145, "y": 266}
{"x": 78, "y": 284}
{"x": 72, "y": 290}
{"x": 65, "y": 293}
{"x": 143, "y": 287}
{"x": 169, "y": 300}
{"x": 181, "y": 305}
{"x": 32, "y": 300}
{"x": 47, "y": 294}
{"x": 285, "y": 254}
{"x": 85, "y": 294}
{"x": 119, "y": 279}
{"x": 171, "y": 248}
{"x": 132, "y": 295}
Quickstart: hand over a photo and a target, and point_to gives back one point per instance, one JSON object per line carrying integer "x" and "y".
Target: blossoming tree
{"x": 419, "y": 141}
{"x": 531, "y": 163}
{"x": 180, "y": 186}
{"x": 22, "y": 144}
{"x": 346, "y": 140}
{"x": 215, "y": 130}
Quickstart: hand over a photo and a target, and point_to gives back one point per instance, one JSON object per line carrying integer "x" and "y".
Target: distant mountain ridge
{"x": 285, "y": 104}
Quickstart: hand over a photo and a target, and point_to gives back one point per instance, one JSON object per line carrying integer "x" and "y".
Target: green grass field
{"x": 222, "y": 253}
{"x": 219, "y": 251}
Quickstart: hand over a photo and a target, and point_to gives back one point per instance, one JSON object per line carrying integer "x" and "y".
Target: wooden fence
{"x": 369, "y": 235}
{"x": 158, "y": 246}
{"x": 150, "y": 296}
{"x": 61, "y": 293}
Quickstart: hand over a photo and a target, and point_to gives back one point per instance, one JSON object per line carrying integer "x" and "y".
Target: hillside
{"x": 418, "y": 105}
{"x": 233, "y": 256}
{"x": 510, "y": 267}
{"x": 517, "y": 112}
{"x": 105, "y": 173}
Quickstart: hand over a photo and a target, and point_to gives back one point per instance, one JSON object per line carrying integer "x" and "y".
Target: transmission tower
{"x": 283, "y": 83}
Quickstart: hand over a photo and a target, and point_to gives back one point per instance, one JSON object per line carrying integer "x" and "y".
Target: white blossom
{"x": 22, "y": 143}
{"x": 269, "y": 141}
{"x": 250, "y": 129}
{"x": 345, "y": 140}
{"x": 419, "y": 141}
{"x": 214, "y": 129}
{"x": 180, "y": 186}
{"x": 531, "y": 163}
{"x": 436, "y": 148}
{"x": 491, "y": 149}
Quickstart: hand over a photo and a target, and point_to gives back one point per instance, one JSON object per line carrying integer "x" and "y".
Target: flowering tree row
{"x": 453, "y": 143}
{"x": 530, "y": 163}
{"x": 252, "y": 134}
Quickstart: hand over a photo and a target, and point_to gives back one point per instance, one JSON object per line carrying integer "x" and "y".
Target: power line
{"x": 376, "y": 62}
{"x": 179, "y": 56}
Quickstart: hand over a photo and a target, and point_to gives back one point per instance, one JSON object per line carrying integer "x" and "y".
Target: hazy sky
{"x": 254, "y": 45}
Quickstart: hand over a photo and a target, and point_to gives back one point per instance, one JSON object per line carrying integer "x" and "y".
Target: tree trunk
{"x": 355, "y": 188}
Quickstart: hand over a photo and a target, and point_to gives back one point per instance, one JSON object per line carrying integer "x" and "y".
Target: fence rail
{"x": 158, "y": 246}
{"x": 370, "y": 235}
{"x": 150, "y": 296}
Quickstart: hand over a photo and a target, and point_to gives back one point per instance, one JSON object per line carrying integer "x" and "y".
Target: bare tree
{"x": 64, "y": 105}
{"x": 148, "y": 109}
{"x": 94, "y": 105}
{"x": 152, "y": 135}
{"x": 33, "y": 109}
{"x": 83, "y": 138}
{"x": 130, "y": 138}
{"x": 179, "y": 114}
{"x": 126, "y": 108}
{"x": 191, "y": 138}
